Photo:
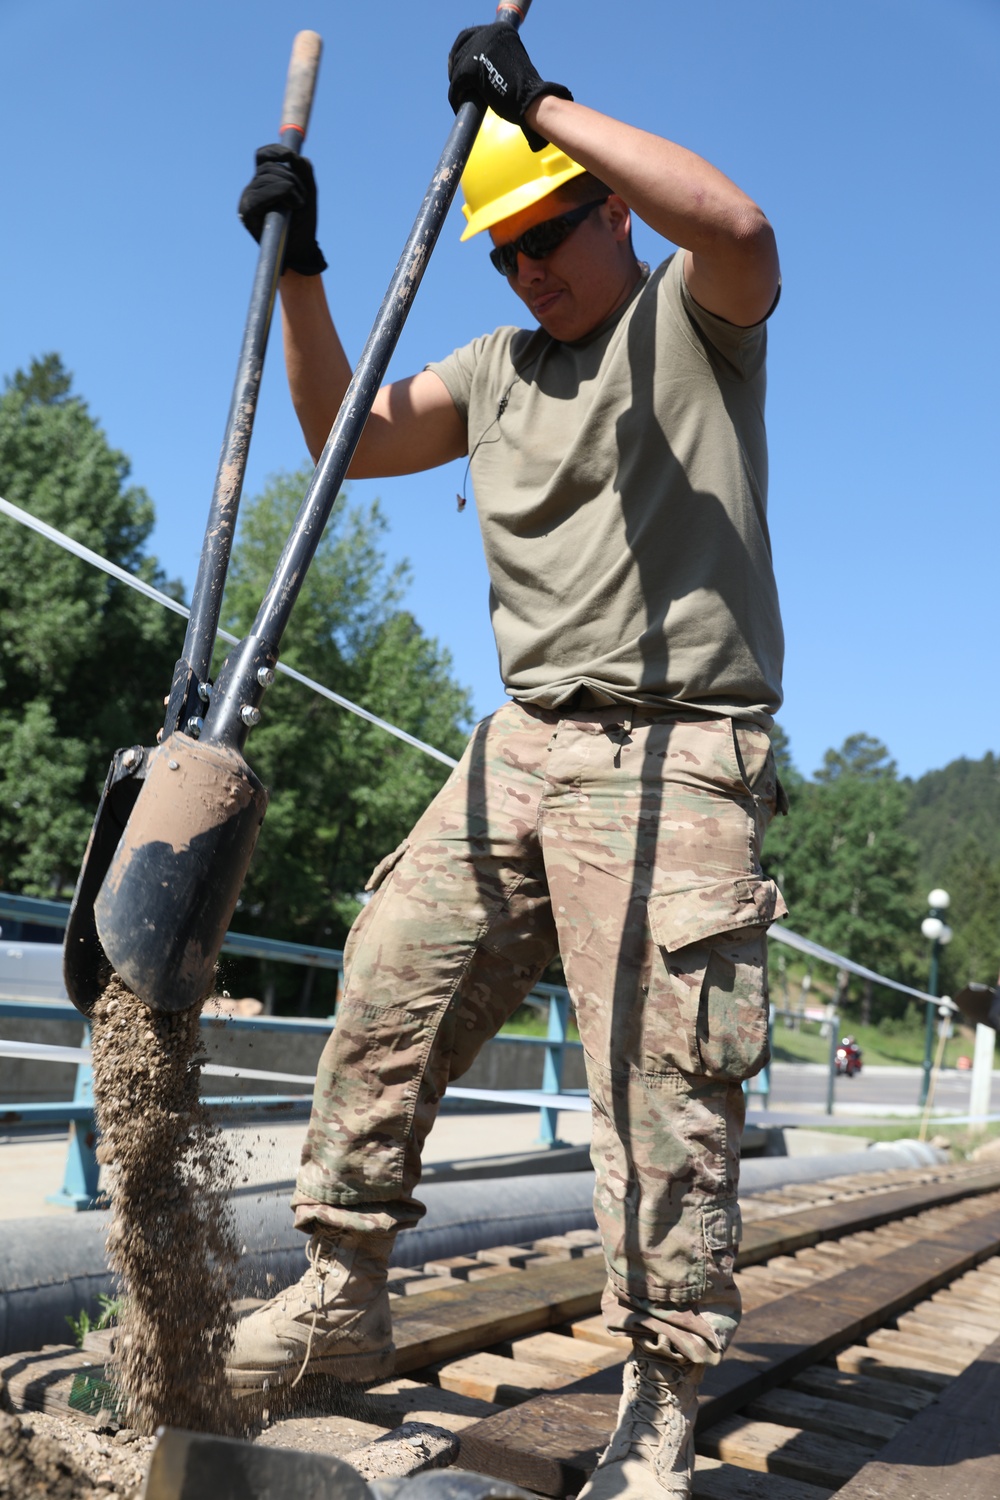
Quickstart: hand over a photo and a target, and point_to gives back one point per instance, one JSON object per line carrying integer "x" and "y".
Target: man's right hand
{"x": 285, "y": 181}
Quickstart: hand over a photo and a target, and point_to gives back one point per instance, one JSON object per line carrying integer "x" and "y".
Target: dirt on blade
{"x": 171, "y": 1240}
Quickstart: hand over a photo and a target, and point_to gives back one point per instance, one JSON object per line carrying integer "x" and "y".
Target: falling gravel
{"x": 171, "y": 1242}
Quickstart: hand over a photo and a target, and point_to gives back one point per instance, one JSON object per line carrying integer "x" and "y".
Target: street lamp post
{"x": 939, "y": 933}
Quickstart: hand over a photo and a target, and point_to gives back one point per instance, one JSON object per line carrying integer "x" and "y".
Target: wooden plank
{"x": 433, "y": 1326}
{"x": 800, "y": 1329}
{"x": 969, "y": 1298}
{"x": 820, "y": 1414}
{"x": 933, "y": 1355}
{"x": 758, "y": 1295}
{"x": 573, "y": 1245}
{"x": 928, "y": 1323}
{"x": 949, "y": 1452}
{"x": 458, "y": 1266}
{"x": 773, "y": 1449}
{"x": 575, "y": 1356}
{"x": 63, "y": 1380}
{"x": 567, "y": 1434}
{"x": 514, "y": 1256}
{"x": 983, "y": 1290}
{"x": 405, "y": 1400}
{"x": 959, "y": 1296}
{"x": 890, "y": 1396}
{"x": 772, "y": 1344}
{"x": 402, "y": 1277}
{"x": 714, "y": 1480}
{"x": 595, "y": 1330}
{"x": 764, "y": 1238}
{"x": 482, "y": 1269}
{"x": 885, "y": 1365}
{"x": 789, "y": 1268}
{"x": 490, "y": 1377}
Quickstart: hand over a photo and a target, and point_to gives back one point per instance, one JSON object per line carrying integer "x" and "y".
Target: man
{"x": 613, "y": 810}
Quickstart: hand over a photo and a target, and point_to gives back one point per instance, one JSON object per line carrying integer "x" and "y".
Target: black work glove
{"x": 285, "y": 181}
{"x": 489, "y": 64}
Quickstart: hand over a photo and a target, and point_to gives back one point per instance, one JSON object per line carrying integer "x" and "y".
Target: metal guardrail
{"x": 80, "y": 1182}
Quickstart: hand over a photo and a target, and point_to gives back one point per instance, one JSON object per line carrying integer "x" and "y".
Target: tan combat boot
{"x": 651, "y": 1453}
{"x": 334, "y": 1321}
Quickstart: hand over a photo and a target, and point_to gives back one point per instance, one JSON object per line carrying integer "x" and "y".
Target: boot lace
{"x": 315, "y": 1257}
{"x": 656, "y": 1423}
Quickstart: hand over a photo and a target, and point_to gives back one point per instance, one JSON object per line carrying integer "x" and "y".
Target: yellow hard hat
{"x": 503, "y": 175}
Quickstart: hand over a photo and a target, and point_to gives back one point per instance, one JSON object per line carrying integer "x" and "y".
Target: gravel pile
{"x": 171, "y": 1240}
{"x": 43, "y": 1457}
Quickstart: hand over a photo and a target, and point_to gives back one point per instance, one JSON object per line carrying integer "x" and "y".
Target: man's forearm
{"x": 732, "y": 257}
{"x": 318, "y": 369}
{"x": 678, "y": 193}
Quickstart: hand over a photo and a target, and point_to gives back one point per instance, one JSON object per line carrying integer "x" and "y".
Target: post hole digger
{"x": 177, "y": 825}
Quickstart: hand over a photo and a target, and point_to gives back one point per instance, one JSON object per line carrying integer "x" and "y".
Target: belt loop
{"x": 740, "y": 765}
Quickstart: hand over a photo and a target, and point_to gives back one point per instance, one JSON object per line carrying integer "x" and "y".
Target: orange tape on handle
{"x": 513, "y": 11}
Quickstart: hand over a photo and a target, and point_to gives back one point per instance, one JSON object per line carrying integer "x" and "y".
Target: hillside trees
{"x": 845, "y": 865}
{"x": 84, "y": 660}
{"x": 861, "y": 849}
{"x": 954, "y": 816}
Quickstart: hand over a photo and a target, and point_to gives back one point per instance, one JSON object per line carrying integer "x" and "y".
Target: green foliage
{"x": 954, "y": 816}
{"x": 111, "y": 1308}
{"x": 862, "y": 848}
{"x": 947, "y": 806}
{"x": 972, "y": 879}
{"x": 84, "y": 660}
{"x": 342, "y": 792}
{"x": 844, "y": 864}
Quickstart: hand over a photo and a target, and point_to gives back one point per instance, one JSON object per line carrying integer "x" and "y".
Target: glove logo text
{"x": 497, "y": 80}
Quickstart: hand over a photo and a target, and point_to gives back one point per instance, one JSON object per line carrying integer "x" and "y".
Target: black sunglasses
{"x": 541, "y": 239}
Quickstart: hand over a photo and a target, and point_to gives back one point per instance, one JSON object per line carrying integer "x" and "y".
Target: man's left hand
{"x": 489, "y": 64}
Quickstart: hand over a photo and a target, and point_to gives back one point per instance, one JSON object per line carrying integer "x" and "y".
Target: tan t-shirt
{"x": 622, "y": 498}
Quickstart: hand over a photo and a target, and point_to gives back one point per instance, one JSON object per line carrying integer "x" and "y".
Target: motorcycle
{"x": 848, "y": 1057}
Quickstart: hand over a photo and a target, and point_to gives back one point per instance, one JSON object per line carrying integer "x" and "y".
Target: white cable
{"x": 779, "y": 934}
{"x": 114, "y": 571}
{"x": 815, "y": 950}
{"x": 530, "y": 1098}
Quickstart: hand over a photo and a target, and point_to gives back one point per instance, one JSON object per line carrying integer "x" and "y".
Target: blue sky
{"x": 867, "y": 131}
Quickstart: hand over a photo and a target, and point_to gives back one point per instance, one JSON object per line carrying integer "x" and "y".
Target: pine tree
{"x": 85, "y": 660}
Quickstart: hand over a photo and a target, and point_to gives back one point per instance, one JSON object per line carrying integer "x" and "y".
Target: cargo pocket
{"x": 706, "y": 1008}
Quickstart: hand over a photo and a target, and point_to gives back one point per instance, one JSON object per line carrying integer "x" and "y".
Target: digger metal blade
{"x": 85, "y": 964}
{"x": 172, "y": 885}
{"x": 195, "y": 1466}
{"x": 980, "y": 1003}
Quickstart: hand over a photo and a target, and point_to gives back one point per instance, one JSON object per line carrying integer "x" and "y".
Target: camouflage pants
{"x": 632, "y": 846}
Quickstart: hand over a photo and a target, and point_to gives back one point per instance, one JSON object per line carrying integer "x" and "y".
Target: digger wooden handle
{"x": 301, "y": 83}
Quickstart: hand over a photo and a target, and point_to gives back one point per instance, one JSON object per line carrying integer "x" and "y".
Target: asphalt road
{"x": 875, "y": 1091}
